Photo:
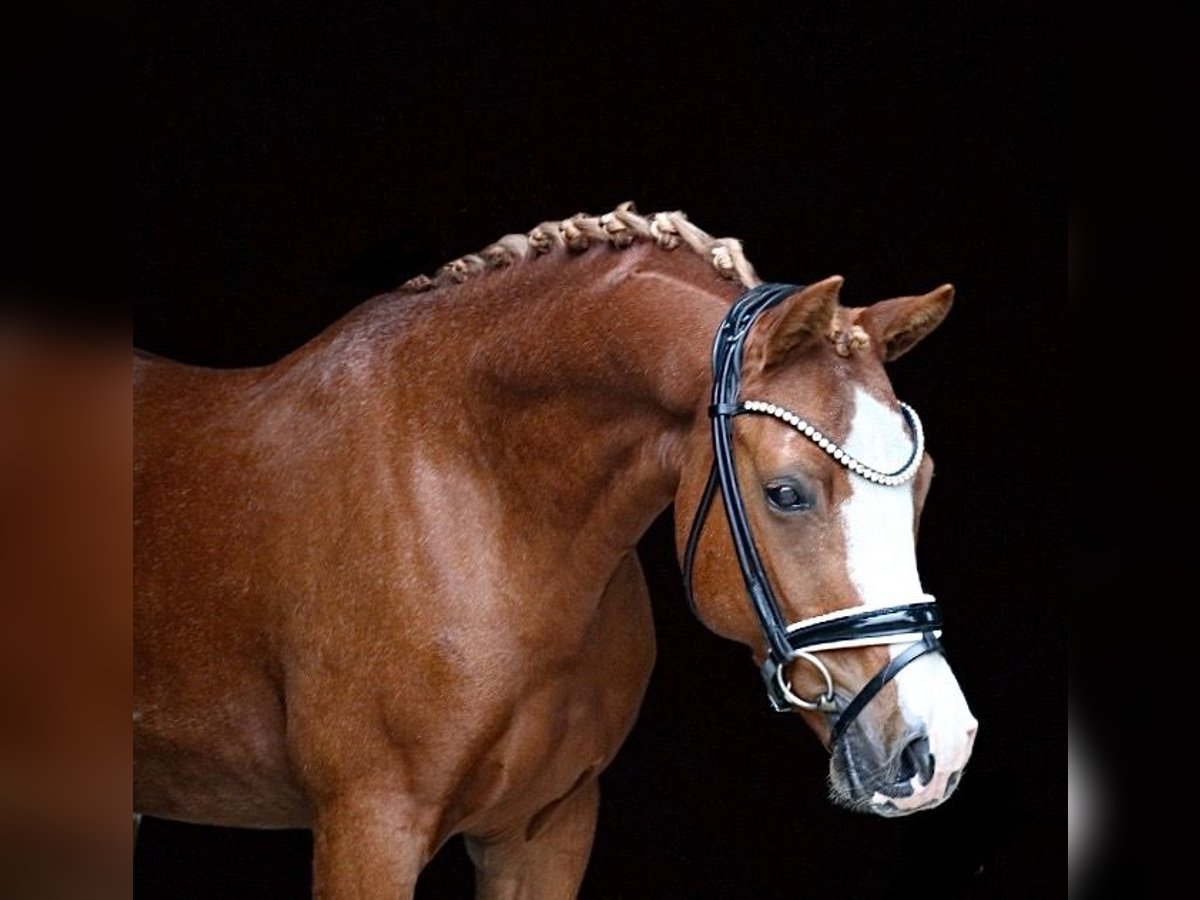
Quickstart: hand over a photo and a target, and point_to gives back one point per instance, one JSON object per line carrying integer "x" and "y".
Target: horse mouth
{"x": 892, "y": 790}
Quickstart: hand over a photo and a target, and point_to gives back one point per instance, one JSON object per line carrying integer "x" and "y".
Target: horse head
{"x": 823, "y": 485}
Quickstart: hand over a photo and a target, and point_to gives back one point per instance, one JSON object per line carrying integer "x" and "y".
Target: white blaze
{"x": 881, "y": 560}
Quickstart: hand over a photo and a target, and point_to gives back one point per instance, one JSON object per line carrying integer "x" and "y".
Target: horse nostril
{"x": 916, "y": 760}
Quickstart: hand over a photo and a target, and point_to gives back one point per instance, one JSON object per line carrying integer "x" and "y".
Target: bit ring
{"x": 823, "y": 702}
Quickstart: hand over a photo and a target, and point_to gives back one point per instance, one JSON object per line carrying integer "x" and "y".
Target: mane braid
{"x": 619, "y": 229}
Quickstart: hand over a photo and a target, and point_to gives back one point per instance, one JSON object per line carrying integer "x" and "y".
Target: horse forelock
{"x": 618, "y": 229}
{"x": 846, "y": 335}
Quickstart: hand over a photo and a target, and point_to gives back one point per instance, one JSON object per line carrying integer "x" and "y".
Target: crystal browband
{"x": 891, "y": 479}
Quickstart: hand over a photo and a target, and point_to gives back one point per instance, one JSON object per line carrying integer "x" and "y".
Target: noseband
{"x": 916, "y": 624}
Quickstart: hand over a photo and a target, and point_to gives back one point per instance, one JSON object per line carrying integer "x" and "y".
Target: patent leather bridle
{"x": 917, "y": 623}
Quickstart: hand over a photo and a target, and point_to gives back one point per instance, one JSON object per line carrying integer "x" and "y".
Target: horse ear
{"x": 801, "y": 319}
{"x": 896, "y": 325}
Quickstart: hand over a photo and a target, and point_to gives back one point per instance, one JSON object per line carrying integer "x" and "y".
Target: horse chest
{"x": 568, "y": 726}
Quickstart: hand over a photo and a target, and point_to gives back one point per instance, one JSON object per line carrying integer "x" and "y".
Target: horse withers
{"x": 387, "y": 587}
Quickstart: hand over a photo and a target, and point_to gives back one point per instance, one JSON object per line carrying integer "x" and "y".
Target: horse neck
{"x": 580, "y": 379}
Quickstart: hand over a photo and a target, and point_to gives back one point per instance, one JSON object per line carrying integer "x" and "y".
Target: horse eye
{"x": 788, "y": 497}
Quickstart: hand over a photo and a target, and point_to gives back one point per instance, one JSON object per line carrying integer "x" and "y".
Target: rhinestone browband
{"x": 891, "y": 479}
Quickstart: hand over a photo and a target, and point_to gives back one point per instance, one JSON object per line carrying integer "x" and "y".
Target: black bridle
{"x": 918, "y": 623}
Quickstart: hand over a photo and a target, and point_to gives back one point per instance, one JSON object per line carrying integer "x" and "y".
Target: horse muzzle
{"x": 916, "y": 771}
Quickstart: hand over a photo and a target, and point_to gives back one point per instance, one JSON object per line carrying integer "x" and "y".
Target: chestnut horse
{"x": 387, "y": 587}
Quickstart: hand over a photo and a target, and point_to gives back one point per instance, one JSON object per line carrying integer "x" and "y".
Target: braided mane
{"x": 620, "y": 228}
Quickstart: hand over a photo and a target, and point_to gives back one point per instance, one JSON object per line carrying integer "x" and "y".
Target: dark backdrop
{"x": 294, "y": 160}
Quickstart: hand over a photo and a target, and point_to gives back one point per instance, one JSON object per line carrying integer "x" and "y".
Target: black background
{"x": 293, "y": 161}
